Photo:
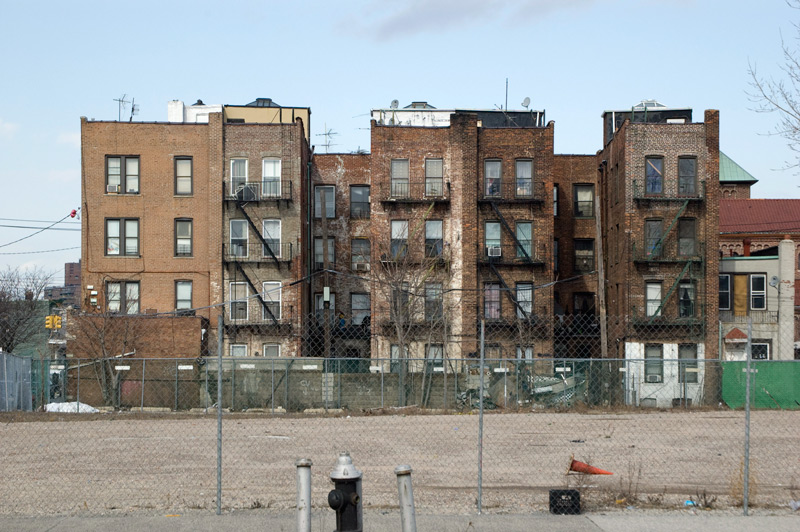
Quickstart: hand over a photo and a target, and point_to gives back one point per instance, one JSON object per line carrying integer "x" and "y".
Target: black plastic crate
{"x": 565, "y": 502}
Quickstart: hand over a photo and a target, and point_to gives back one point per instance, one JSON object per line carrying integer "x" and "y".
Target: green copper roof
{"x": 730, "y": 172}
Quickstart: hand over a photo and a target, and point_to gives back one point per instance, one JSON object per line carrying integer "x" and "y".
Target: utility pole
{"x": 601, "y": 270}
{"x": 326, "y": 290}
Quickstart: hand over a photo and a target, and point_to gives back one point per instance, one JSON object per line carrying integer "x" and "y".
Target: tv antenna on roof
{"x": 394, "y": 104}
{"x": 134, "y": 109}
{"x": 122, "y": 104}
{"x": 526, "y": 102}
{"x": 328, "y": 134}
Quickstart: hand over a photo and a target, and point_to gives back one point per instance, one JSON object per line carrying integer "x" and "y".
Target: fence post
{"x": 141, "y": 405}
{"x": 272, "y": 390}
{"x": 480, "y": 424}
{"x": 303, "y": 508}
{"x": 78, "y": 385}
{"x": 206, "y": 394}
{"x": 219, "y": 409}
{"x": 176, "y": 385}
{"x": 746, "y": 471}
{"x": 381, "y": 366}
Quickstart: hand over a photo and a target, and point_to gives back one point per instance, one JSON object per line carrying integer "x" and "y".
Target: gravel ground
{"x": 110, "y": 463}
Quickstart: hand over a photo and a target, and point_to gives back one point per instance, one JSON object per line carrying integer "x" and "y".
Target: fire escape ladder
{"x": 508, "y": 291}
{"x": 671, "y": 225}
{"x": 507, "y": 227}
{"x": 672, "y": 288}
{"x": 253, "y": 287}
{"x": 257, "y": 231}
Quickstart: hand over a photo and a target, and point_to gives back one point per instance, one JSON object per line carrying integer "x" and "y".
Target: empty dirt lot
{"x": 122, "y": 461}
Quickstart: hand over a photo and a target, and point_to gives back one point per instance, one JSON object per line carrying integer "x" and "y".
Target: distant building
{"x": 67, "y": 295}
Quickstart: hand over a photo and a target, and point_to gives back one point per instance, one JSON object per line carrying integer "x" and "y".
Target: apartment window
{"x": 122, "y": 236}
{"x": 399, "y": 178}
{"x": 433, "y": 238}
{"x": 687, "y": 176}
{"x": 524, "y": 353}
{"x": 239, "y": 179}
{"x": 491, "y": 301}
{"x": 183, "y": 295}
{"x": 272, "y": 300}
{"x": 319, "y": 307}
{"x": 272, "y": 237}
{"x": 725, "y": 292}
{"x": 359, "y": 254}
{"x": 524, "y": 178}
{"x": 271, "y": 350}
{"x": 584, "y": 255}
{"x": 329, "y": 192}
{"x": 492, "y": 238}
{"x": 653, "y": 298}
{"x": 183, "y": 238}
{"x": 583, "y": 303}
{"x": 524, "y": 300}
{"x": 492, "y": 175}
{"x": 123, "y": 297}
{"x": 524, "y": 237}
{"x": 122, "y": 174}
{"x": 319, "y": 258}
{"x": 239, "y": 238}
{"x": 400, "y": 303}
{"x": 654, "y": 176}
{"x": 583, "y": 196}
{"x": 359, "y": 202}
{"x": 687, "y": 357}
{"x": 435, "y": 355}
{"x": 686, "y": 299}
{"x": 399, "y": 238}
{"x": 433, "y": 301}
{"x": 687, "y": 237}
{"x": 759, "y": 350}
{"x": 653, "y": 237}
{"x": 360, "y": 308}
{"x": 555, "y": 254}
{"x": 238, "y": 350}
{"x": 183, "y": 176}
{"x": 434, "y": 178}
{"x": 238, "y": 298}
{"x": 758, "y": 292}
{"x": 555, "y": 200}
{"x": 271, "y": 178}
{"x": 653, "y": 363}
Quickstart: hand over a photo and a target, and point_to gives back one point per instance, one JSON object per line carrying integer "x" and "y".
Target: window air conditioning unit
{"x": 112, "y": 189}
{"x": 362, "y": 266}
{"x": 494, "y": 251}
{"x": 653, "y": 379}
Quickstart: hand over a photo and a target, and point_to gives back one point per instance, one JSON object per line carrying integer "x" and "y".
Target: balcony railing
{"x": 513, "y": 191}
{"x": 257, "y": 252}
{"x": 670, "y": 190}
{"x": 669, "y": 250}
{"x": 757, "y": 316}
{"x": 511, "y": 254}
{"x": 257, "y": 191}
{"x": 431, "y": 190}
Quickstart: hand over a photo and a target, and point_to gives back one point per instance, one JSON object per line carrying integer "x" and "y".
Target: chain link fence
{"x": 494, "y": 430}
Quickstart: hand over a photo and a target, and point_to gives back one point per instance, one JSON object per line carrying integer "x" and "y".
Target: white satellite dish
{"x": 526, "y": 102}
{"x": 394, "y": 104}
{"x": 773, "y": 282}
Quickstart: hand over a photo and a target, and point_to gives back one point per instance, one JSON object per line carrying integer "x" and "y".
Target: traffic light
{"x": 48, "y": 322}
{"x": 56, "y": 322}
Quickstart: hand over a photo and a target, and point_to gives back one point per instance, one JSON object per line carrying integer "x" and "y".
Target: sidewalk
{"x": 389, "y": 521}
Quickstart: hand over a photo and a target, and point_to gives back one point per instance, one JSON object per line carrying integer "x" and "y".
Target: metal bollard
{"x": 345, "y": 497}
{"x": 303, "y": 494}
{"x": 408, "y": 516}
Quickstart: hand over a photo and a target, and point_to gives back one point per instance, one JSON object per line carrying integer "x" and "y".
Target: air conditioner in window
{"x": 362, "y": 266}
{"x": 493, "y": 251}
{"x": 653, "y": 379}
{"x": 112, "y": 189}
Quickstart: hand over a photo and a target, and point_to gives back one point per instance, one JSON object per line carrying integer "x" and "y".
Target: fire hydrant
{"x": 345, "y": 497}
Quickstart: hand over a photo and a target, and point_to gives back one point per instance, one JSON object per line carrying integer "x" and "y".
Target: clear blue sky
{"x": 573, "y": 58}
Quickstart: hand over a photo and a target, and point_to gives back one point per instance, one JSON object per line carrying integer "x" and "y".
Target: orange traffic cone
{"x": 581, "y": 467}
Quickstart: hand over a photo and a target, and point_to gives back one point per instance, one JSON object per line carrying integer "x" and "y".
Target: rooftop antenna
{"x": 394, "y": 104}
{"x": 526, "y": 102}
{"x": 328, "y": 134}
{"x": 122, "y": 104}
{"x": 506, "y": 107}
{"x": 134, "y": 109}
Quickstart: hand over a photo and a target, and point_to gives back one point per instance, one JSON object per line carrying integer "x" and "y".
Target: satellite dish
{"x": 526, "y": 102}
{"x": 773, "y": 281}
{"x": 394, "y": 104}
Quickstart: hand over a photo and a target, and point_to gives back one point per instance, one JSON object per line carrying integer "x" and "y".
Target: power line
{"x": 35, "y": 221}
{"x": 42, "y": 251}
{"x": 42, "y": 228}
{"x": 71, "y": 214}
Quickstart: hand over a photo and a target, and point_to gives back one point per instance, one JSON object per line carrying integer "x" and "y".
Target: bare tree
{"x": 21, "y": 306}
{"x": 781, "y": 95}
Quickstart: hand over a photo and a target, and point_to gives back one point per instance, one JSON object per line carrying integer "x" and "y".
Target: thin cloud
{"x": 73, "y": 139}
{"x": 63, "y": 176}
{"x": 7, "y": 129}
{"x": 422, "y": 16}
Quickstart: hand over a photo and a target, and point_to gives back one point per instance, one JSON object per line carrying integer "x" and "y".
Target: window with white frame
{"x": 399, "y": 238}
{"x": 239, "y": 300}
{"x": 687, "y": 357}
{"x": 524, "y": 300}
{"x": 329, "y": 193}
{"x": 653, "y": 298}
{"x": 122, "y": 236}
{"x": 759, "y": 350}
{"x": 239, "y": 179}
{"x": 271, "y": 350}
{"x": 272, "y": 300}
{"x": 319, "y": 308}
{"x": 524, "y": 353}
{"x": 183, "y": 176}
{"x": 653, "y": 363}
{"x": 492, "y": 170}
{"x": 758, "y": 292}
{"x": 492, "y": 239}
{"x": 399, "y": 178}
{"x": 183, "y": 295}
{"x": 271, "y": 178}
{"x": 435, "y": 355}
{"x": 238, "y": 238}
{"x": 122, "y": 174}
{"x": 434, "y": 176}
{"x": 123, "y": 297}
{"x": 360, "y": 307}
{"x": 238, "y": 350}
{"x": 272, "y": 237}
{"x": 359, "y": 254}
{"x": 524, "y": 177}
{"x": 433, "y": 238}
{"x": 725, "y": 292}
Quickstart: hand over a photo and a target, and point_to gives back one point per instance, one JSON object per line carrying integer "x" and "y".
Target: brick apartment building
{"x": 455, "y": 216}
